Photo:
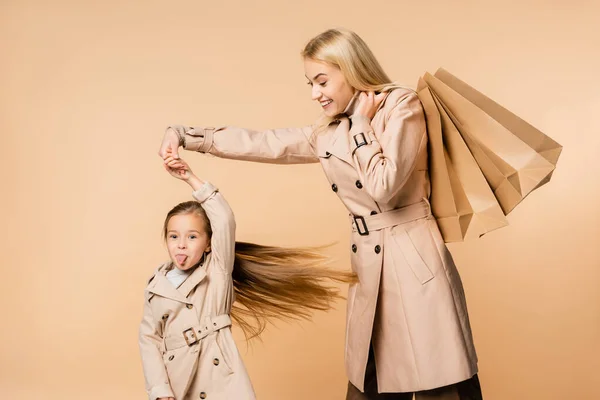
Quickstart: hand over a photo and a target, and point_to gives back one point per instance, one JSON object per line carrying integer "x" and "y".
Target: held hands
{"x": 368, "y": 102}
{"x": 176, "y": 166}
{"x": 181, "y": 170}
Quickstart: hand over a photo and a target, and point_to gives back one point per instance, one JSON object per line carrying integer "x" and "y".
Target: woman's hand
{"x": 170, "y": 144}
{"x": 368, "y": 102}
{"x": 177, "y": 167}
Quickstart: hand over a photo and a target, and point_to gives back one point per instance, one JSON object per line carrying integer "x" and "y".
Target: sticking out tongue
{"x": 180, "y": 258}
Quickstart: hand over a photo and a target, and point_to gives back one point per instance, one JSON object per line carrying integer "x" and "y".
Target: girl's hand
{"x": 368, "y": 102}
{"x": 177, "y": 167}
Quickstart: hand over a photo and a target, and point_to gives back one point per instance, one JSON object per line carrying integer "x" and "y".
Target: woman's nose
{"x": 316, "y": 93}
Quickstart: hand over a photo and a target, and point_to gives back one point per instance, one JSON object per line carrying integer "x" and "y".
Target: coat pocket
{"x": 224, "y": 357}
{"x": 409, "y": 245}
{"x": 179, "y": 365}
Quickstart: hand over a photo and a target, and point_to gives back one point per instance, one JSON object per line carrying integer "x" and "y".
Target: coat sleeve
{"x": 155, "y": 372}
{"x": 275, "y": 146}
{"x": 222, "y": 223}
{"x": 386, "y": 161}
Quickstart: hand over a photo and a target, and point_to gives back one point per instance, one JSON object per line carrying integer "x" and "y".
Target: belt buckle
{"x": 193, "y": 336}
{"x": 365, "y": 232}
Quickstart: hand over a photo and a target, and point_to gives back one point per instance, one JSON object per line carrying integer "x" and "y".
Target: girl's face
{"x": 186, "y": 240}
{"x": 329, "y": 86}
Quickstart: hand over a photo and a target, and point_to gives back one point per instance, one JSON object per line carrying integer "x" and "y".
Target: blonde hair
{"x": 347, "y": 51}
{"x": 274, "y": 282}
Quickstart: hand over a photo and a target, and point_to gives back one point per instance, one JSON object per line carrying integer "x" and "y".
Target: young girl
{"x": 187, "y": 348}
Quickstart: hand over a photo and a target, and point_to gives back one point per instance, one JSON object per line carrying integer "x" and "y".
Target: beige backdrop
{"x": 87, "y": 89}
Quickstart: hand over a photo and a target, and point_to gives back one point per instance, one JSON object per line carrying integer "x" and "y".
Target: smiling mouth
{"x": 326, "y": 103}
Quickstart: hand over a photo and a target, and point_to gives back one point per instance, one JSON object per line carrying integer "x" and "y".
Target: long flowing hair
{"x": 272, "y": 282}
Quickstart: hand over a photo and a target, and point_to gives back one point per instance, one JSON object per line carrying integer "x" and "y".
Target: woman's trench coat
{"x": 187, "y": 348}
{"x": 409, "y": 302}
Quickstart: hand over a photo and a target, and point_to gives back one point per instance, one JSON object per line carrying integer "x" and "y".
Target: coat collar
{"x": 338, "y": 144}
{"x": 194, "y": 279}
{"x": 161, "y": 286}
{"x": 339, "y": 141}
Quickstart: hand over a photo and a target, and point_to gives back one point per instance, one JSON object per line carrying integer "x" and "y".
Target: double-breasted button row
{"x": 377, "y": 249}
{"x": 202, "y": 395}
{"x": 335, "y": 188}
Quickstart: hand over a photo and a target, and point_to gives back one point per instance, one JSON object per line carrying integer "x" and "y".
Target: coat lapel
{"x": 161, "y": 286}
{"x": 337, "y": 144}
{"x": 193, "y": 280}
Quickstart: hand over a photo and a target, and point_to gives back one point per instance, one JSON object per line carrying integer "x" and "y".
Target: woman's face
{"x": 329, "y": 86}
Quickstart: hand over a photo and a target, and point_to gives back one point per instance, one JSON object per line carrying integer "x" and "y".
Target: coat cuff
{"x": 204, "y": 192}
{"x": 361, "y": 133}
{"x": 194, "y": 139}
{"x": 160, "y": 391}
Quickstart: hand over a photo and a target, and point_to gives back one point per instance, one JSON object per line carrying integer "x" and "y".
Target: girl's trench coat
{"x": 409, "y": 302}
{"x": 187, "y": 348}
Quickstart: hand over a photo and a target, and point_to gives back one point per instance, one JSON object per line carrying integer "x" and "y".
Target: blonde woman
{"x": 408, "y": 329}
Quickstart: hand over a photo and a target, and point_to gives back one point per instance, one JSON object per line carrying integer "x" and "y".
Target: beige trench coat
{"x": 409, "y": 302}
{"x": 185, "y": 339}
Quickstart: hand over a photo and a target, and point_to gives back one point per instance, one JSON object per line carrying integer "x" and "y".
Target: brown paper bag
{"x": 461, "y": 199}
{"x": 514, "y": 157}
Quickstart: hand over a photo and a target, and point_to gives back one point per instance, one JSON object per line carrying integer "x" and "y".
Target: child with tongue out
{"x": 187, "y": 348}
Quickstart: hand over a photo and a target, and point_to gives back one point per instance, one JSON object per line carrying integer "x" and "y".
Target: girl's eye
{"x": 172, "y": 236}
{"x": 192, "y": 236}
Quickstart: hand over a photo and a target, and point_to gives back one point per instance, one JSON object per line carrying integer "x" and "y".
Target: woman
{"x": 407, "y": 325}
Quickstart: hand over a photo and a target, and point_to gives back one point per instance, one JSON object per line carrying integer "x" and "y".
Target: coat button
{"x": 164, "y": 317}
{"x": 377, "y": 249}
{"x": 202, "y": 395}
{"x": 334, "y": 187}
{"x": 171, "y": 358}
{"x": 358, "y": 184}
{"x": 373, "y": 212}
{"x": 190, "y": 306}
{"x": 216, "y": 361}
{"x": 354, "y": 248}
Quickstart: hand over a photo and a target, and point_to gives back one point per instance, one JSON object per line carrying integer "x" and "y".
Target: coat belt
{"x": 196, "y": 333}
{"x": 398, "y": 216}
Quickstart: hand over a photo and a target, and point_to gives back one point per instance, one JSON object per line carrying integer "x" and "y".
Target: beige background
{"x": 88, "y": 87}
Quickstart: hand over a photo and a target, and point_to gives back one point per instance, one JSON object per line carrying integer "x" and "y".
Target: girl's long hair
{"x": 272, "y": 282}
